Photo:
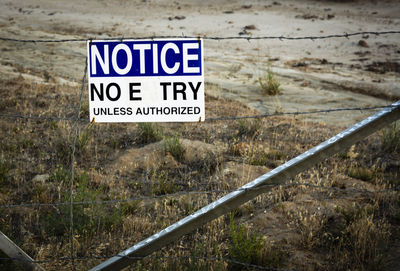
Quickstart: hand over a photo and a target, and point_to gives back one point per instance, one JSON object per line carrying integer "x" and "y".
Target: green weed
{"x": 89, "y": 218}
{"x": 162, "y": 184}
{"x": 60, "y": 175}
{"x": 174, "y": 146}
{"x": 251, "y": 249}
{"x": 150, "y": 132}
{"x": 261, "y": 158}
{"x": 391, "y": 138}
{"x": 363, "y": 173}
{"x": 84, "y": 137}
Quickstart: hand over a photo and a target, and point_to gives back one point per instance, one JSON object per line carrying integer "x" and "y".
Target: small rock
{"x": 250, "y": 27}
{"x": 41, "y": 178}
{"x": 176, "y": 18}
{"x": 170, "y": 161}
{"x": 363, "y": 43}
{"x": 331, "y": 16}
{"x": 246, "y": 6}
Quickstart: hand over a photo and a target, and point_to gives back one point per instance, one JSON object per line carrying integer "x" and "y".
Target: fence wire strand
{"x": 189, "y": 193}
{"x": 205, "y": 37}
{"x": 259, "y": 116}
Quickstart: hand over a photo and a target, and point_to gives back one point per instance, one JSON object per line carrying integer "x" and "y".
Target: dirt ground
{"x": 120, "y": 162}
{"x": 314, "y": 74}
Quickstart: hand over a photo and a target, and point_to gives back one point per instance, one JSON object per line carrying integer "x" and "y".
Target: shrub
{"x": 84, "y": 137}
{"x": 174, "y": 146}
{"x": 88, "y": 217}
{"x": 363, "y": 173}
{"x": 162, "y": 184}
{"x": 250, "y": 128}
{"x": 352, "y": 239}
{"x": 4, "y": 172}
{"x": 261, "y": 158}
{"x": 391, "y": 138}
{"x": 249, "y": 248}
{"x": 269, "y": 84}
{"x": 149, "y": 132}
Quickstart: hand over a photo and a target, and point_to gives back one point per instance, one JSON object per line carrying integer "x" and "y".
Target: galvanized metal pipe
{"x": 15, "y": 252}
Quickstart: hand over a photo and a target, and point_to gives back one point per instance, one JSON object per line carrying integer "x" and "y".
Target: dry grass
{"x": 269, "y": 83}
{"x": 340, "y": 222}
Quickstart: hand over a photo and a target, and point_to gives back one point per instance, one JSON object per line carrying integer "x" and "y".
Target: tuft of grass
{"x": 60, "y": 175}
{"x": 363, "y": 173}
{"x": 249, "y": 128}
{"x": 391, "y": 138}
{"x": 244, "y": 247}
{"x": 4, "y": 172}
{"x": 84, "y": 113}
{"x": 361, "y": 242}
{"x": 251, "y": 249}
{"x": 269, "y": 83}
{"x": 162, "y": 184}
{"x": 352, "y": 238}
{"x": 150, "y": 132}
{"x": 174, "y": 146}
{"x": 88, "y": 218}
{"x": 84, "y": 137}
{"x": 261, "y": 158}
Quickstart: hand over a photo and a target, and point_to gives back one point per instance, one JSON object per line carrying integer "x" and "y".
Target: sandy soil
{"x": 314, "y": 75}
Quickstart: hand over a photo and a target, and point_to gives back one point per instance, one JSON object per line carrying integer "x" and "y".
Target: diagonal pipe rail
{"x": 15, "y": 252}
{"x": 254, "y": 188}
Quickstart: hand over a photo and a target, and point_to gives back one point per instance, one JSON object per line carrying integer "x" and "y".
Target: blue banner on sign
{"x": 145, "y": 58}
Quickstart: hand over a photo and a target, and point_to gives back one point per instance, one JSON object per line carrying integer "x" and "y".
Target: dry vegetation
{"x": 342, "y": 214}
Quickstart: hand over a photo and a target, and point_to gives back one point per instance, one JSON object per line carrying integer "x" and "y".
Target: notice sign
{"x": 156, "y": 80}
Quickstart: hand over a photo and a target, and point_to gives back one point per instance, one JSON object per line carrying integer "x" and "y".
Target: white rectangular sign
{"x": 158, "y": 80}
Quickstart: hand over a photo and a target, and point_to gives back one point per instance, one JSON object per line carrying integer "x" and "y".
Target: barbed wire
{"x": 33, "y": 117}
{"x": 163, "y": 258}
{"x": 189, "y": 193}
{"x": 205, "y": 37}
{"x": 329, "y": 110}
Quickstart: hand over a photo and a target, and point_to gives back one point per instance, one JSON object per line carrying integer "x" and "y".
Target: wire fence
{"x": 243, "y": 37}
{"x": 191, "y": 193}
{"x": 77, "y": 119}
{"x": 259, "y": 116}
